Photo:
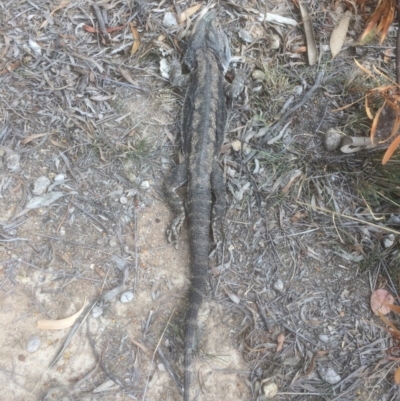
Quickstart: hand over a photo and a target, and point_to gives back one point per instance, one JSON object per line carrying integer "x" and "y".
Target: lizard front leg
{"x": 176, "y": 77}
{"x": 177, "y": 179}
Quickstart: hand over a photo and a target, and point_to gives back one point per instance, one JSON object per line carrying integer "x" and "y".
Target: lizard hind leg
{"x": 234, "y": 89}
{"x": 176, "y": 180}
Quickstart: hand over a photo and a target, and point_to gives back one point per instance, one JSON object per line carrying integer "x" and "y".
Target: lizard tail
{"x": 199, "y": 210}
{"x": 196, "y": 295}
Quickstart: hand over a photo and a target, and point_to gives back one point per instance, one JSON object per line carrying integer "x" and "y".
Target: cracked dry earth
{"x": 100, "y": 126}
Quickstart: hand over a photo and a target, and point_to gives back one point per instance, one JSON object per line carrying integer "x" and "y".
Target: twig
{"x": 100, "y": 20}
{"x": 322, "y": 209}
{"x": 263, "y": 315}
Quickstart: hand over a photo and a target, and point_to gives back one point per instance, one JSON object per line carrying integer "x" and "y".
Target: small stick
{"x": 102, "y": 25}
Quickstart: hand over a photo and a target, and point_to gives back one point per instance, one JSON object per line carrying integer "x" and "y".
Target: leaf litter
{"x": 104, "y": 96}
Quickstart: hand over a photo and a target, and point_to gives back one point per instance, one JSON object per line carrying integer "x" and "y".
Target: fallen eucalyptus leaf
{"x": 61, "y": 323}
{"x": 339, "y": 33}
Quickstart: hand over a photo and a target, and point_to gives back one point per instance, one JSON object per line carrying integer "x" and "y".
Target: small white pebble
{"x": 123, "y": 200}
{"x": 278, "y": 285}
{"x": 231, "y": 172}
{"x": 388, "y": 240}
{"x": 275, "y": 41}
{"x": 297, "y": 90}
{"x": 33, "y": 344}
{"x": 97, "y": 311}
{"x": 126, "y": 297}
{"x": 236, "y": 145}
{"x": 329, "y": 375}
{"x": 40, "y": 185}
{"x": 270, "y": 390}
{"x": 59, "y": 177}
{"x": 169, "y": 19}
{"x": 258, "y": 74}
{"x": 145, "y": 185}
{"x": 165, "y": 69}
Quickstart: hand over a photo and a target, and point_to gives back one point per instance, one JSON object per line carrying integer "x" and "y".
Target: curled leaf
{"x": 61, "y": 323}
{"x": 390, "y": 150}
{"x": 136, "y": 38}
{"x": 375, "y": 122}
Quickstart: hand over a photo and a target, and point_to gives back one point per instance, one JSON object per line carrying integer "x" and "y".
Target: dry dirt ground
{"x": 99, "y": 124}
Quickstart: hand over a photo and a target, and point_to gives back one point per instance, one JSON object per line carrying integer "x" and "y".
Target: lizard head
{"x": 208, "y": 34}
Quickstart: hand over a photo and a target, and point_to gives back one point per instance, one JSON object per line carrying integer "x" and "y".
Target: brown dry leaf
{"x": 367, "y": 109}
{"x": 378, "y": 298}
{"x": 311, "y": 366}
{"x": 127, "y": 76}
{"x": 394, "y": 308}
{"x": 280, "y": 339}
{"x": 397, "y": 376}
{"x": 298, "y": 216}
{"x": 339, "y": 33}
{"x": 387, "y": 55}
{"x": 294, "y": 175}
{"x": 394, "y": 331}
{"x": 390, "y": 150}
{"x": 381, "y": 19}
{"x": 312, "y": 52}
{"x": 10, "y": 67}
{"x": 115, "y": 28}
{"x": 188, "y": 12}
{"x": 142, "y": 347}
{"x": 61, "y": 323}
{"x": 58, "y": 144}
{"x": 395, "y": 128}
{"x": 90, "y": 29}
{"x": 136, "y": 38}
{"x": 30, "y": 138}
{"x": 375, "y": 122}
